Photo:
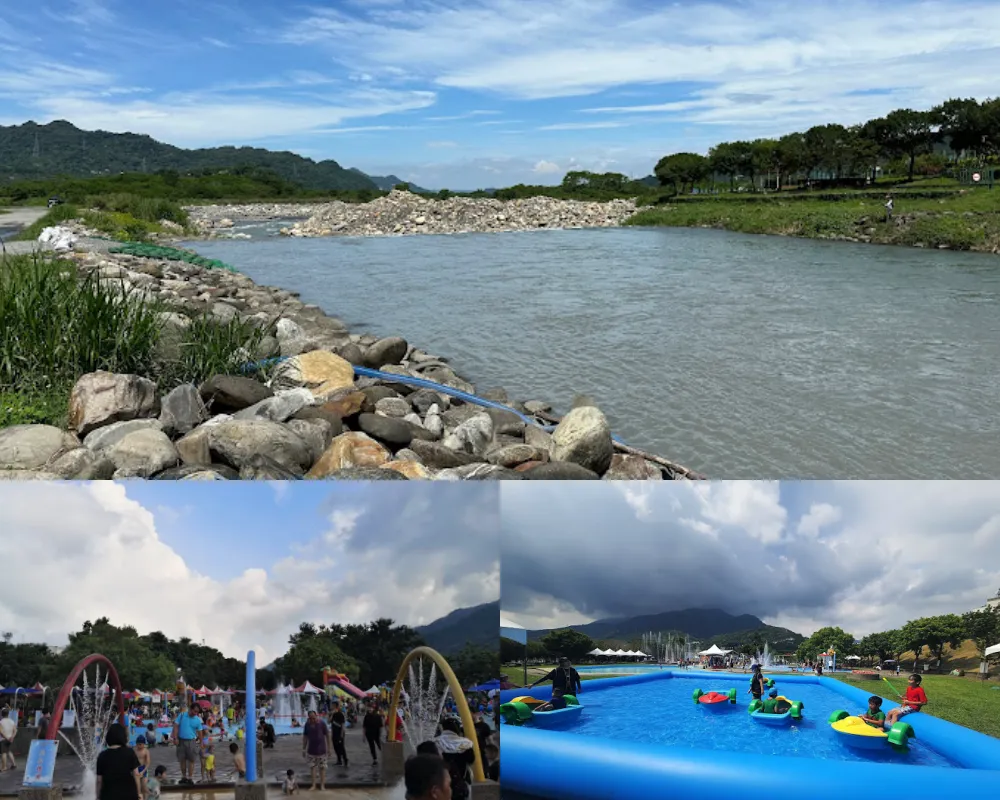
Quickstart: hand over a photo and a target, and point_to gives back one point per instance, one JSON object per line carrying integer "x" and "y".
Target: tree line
{"x": 935, "y": 633}
{"x": 966, "y": 128}
{"x": 368, "y": 653}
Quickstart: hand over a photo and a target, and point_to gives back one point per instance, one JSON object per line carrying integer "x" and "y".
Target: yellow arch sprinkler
{"x": 478, "y": 775}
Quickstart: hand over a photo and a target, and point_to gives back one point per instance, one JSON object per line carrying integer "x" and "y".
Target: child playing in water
{"x": 154, "y": 783}
{"x": 210, "y": 764}
{"x": 289, "y": 785}
{"x": 875, "y": 715}
{"x": 142, "y": 753}
{"x": 239, "y": 761}
{"x": 914, "y": 700}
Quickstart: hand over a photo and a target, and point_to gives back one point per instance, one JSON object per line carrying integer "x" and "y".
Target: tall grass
{"x": 56, "y": 325}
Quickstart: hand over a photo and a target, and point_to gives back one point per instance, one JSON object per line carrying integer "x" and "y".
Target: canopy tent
{"x": 308, "y": 688}
{"x": 374, "y": 690}
{"x": 853, "y": 658}
{"x": 513, "y": 631}
{"x": 620, "y": 652}
{"x": 715, "y": 650}
{"x": 597, "y": 651}
{"x": 992, "y": 651}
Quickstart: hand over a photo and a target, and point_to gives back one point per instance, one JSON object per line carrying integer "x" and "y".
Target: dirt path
{"x": 21, "y": 217}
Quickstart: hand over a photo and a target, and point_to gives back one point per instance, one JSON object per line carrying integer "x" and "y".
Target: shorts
{"x": 906, "y": 710}
{"x": 318, "y": 761}
{"x": 4, "y": 746}
{"x": 187, "y": 751}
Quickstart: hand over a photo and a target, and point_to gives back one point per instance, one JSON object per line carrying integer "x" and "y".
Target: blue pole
{"x": 251, "y": 718}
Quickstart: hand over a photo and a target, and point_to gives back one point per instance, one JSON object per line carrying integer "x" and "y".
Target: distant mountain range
{"x": 387, "y": 182}
{"x": 36, "y": 152}
{"x": 707, "y": 625}
{"x": 478, "y": 625}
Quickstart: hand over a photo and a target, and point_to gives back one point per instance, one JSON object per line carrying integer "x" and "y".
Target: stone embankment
{"x": 401, "y": 213}
{"x": 313, "y": 417}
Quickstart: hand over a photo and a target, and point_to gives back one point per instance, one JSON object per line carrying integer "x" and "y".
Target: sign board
{"x": 976, "y": 177}
{"x": 41, "y": 763}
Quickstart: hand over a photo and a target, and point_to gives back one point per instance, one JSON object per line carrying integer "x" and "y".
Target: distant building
{"x": 994, "y": 602}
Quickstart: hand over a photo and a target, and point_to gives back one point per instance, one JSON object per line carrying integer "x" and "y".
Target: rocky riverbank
{"x": 313, "y": 417}
{"x": 401, "y": 213}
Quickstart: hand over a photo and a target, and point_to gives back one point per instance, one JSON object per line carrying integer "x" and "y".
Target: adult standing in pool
{"x": 565, "y": 680}
{"x": 757, "y": 682}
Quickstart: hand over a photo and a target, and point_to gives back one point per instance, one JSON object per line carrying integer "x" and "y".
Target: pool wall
{"x": 558, "y": 764}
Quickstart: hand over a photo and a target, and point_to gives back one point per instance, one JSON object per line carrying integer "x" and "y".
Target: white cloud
{"x": 582, "y": 126}
{"x": 546, "y": 167}
{"x": 820, "y": 516}
{"x": 865, "y": 555}
{"x": 65, "y": 546}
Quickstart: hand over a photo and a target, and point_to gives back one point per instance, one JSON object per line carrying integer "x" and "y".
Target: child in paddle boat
{"x": 875, "y": 715}
{"x": 914, "y": 700}
{"x": 771, "y": 704}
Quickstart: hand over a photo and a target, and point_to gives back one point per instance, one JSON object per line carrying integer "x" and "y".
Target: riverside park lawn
{"x": 946, "y": 218}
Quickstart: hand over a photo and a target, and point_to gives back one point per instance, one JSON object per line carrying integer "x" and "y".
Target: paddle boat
{"x": 855, "y": 732}
{"x": 714, "y": 699}
{"x": 792, "y": 710}
{"x": 523, "y": 711}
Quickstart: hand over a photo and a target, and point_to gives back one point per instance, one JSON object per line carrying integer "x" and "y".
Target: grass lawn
{"x": 954, "y": 220}
{"x": 964, "y": 701}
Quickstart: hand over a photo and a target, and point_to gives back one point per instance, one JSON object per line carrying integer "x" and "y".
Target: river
{"x": 738, "y": 356}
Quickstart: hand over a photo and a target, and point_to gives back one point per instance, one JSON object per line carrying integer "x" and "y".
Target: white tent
{"x": 620, "y": 652}
{"x": 511, "y": 630}
{"x": 714, "y": 650}
{"x": 597, "y": 651}
{"x": 308, "y": 688}
{"x": 854, "y": 658}
{"x": 640, "y": 653}
{"x": 373, "y": 690}
{"x": 992, "y": 651}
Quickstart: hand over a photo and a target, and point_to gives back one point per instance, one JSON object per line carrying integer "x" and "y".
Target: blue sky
{"x": 473, "y": 93}
{"x": 864, "y": 555}
{"x": 240, "y": 565}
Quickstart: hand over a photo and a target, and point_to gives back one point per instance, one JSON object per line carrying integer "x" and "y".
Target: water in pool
{"x": 663, "y": 712}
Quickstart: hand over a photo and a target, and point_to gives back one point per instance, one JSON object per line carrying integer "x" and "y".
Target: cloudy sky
{"x": 240, "y": 565}
{"x": 474, "y": 93}
{"x": 866, "y": 556}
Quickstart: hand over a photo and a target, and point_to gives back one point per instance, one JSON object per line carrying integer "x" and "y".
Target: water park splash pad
{"x": 647, "y": 735}
{"x": 96, "y": 703}
{"x": 423, "y": 702}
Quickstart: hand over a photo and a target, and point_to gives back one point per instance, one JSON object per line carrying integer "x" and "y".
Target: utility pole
{"x": 35, "y": 151}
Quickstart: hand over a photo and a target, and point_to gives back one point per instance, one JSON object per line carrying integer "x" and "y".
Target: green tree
{"x": 936, "y": 633}
{"x": 882, "y": 645}
{"x": 823, "y": 639}
{"x": 378, "y": 647}
{"x": 682, "y": 170}
{"x": 913, "y": 636}
{"x": 792, "y": 156}
{"x": 473, "y": 664}
{"x": 908, "y": 133}
{"x": 138, "y": 665}
{"x": 982, "y": 626}
{"x": 311, "y": 650}
{"x": 726, "y": 159}
{"x": 569, "y": 643}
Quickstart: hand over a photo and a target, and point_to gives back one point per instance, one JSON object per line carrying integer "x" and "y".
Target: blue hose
{"x": 423, "y": 383}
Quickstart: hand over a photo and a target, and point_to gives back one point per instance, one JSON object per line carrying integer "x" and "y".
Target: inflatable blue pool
{"x": 641, "y": 736}
{"x": 558, "y": 718}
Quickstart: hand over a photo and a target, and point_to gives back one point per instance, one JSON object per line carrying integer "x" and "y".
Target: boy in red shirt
{"x": 914, "y": 700}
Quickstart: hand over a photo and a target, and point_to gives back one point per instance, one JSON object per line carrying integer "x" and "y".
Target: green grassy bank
{"x": 57, "y": 324}
{"x": 123, "y": 217}
{"x": 965, "y": 701}
{"x": 941, "y": 218}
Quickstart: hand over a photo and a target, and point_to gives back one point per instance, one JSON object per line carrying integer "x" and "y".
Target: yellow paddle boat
{"x": 855, "y": 732}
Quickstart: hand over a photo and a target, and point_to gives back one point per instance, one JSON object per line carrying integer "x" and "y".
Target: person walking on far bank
{"x": 888, "y": 208}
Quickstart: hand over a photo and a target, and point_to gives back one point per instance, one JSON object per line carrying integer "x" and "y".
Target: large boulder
{"x": 347, "y": 451}
{"x": 437, "y": 456}
{"x": 583, "y": 437}
{"x": 142, "y": 453}
{"x": 320, "y": 371}
{"x": 225, "y": 394}
{"x": 390, "y": 350}
{"x": 285, "y": 404}
{"x": 83, "y": 464}
{"x": 103, "y": 438}
{"x": 195, "y": 447}
{"x": 182, "y": 410}
{"x": 559, "y": 471}
{"x": 472, "y": 436}
{"x": 412, "y": 470}
{"x": 33, "y": 446}
{"x": 236, "y": 441}
{"x": 626, "y": 467}
{"x": 100, "y": 398}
